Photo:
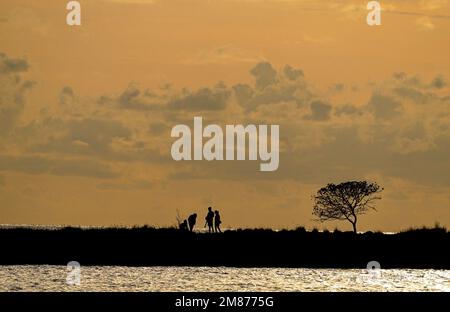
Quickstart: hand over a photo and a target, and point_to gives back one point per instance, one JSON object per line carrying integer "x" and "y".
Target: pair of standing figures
{"x": 212, "y": 220}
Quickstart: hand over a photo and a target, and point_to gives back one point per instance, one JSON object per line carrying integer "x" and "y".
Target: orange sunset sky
{"x": 86, "y": 111}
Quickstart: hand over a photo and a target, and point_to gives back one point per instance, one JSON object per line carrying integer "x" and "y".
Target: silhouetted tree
{"x": 345, "y": 201}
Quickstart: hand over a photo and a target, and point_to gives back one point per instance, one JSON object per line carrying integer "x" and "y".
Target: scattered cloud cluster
{"x": 12, "y": 91}
{"x": 402, "y": 123}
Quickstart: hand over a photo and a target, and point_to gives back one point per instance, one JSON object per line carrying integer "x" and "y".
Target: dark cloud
{"x": 264, "y": 75}
{"x": 438, "y": 82}
{"x": 278, "y": 94}
{"x": 87, "y": 136}
{"x": 12, "y": 92}
{"x": 243, "y": 93}
{"x": 132, "y": 98}
{"x": 272, "y": 89}
{"x": 105, "y": 100}
{"x": 269, "y": 89}
{"x": 348, "y": 109}
{"x": 158, "y": 128}
{"x": 311, "y": 152}
{"x": 338, "y": 87}
{"x": 204, "y": 99}
{"x": 320, "y": 111}
{"x": 331, "y": 162}
{"x": 345, "y": 156}
{"x": 292, "y": 73}
{"x": 12, "y": 65}
{"x": 411, "y": 93}
{"x": 98, "y": 138}
{"x": 66, "y": 96}
{"x": 129, "y": 96}
{"x": 399, "y": 75}
{"x": 384, "y": 107}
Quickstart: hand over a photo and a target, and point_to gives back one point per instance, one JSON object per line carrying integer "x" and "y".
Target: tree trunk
{"x": 354, "y": 227}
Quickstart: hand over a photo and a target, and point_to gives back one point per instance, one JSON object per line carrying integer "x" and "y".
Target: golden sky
{"x": 86, "y": 111}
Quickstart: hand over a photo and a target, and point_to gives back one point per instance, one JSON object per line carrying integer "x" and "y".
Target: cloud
{"x": 203, "y": 99}
{"x": 60, "y": 167}
{"x": 90, "y": 136}
{"x": 244, "y": 93}
{"x": 338, "y": 87}
{"x": 387, "y": 128}
{"x": 12, "y": 65}
{"x": 264, "y": 74}
{"x": 384, "y": 107}
{"x": 292, "y": 73}
{"x": 411, "y": 93}
{"x": 438, "y": 82}
{"x": 412, "y": 88}
{"x": 12, "y": 103}
{"x": 132, "y": 98}
{"x": 166, "y": 99}
{"x": 400, "y": 75}
{"x": 345, "y": 156}
{"x": 320, "y": 111}
{"x": 66, "y": 96}
{"x": 272, "y": 87}
{"x": 12, "y": 92}
{"x": 359, "y": 141}
{"x": 279, "y": 93}
{"x": 348, "y": 109}
{"x": 158, "y": 128}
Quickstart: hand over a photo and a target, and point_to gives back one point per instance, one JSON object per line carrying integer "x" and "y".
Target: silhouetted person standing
{"x": 191, "y": 221}
{"x": 217, "y": 222}
{"x": 209, "y": 220}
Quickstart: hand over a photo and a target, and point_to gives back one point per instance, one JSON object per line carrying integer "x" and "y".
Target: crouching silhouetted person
{"x": 184, "y": 225}
{"x": 192, "y": 219}
{"x": 217, "y": 222}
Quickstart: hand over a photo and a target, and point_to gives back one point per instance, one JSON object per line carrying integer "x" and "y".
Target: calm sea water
{"x": 116, "y": 278}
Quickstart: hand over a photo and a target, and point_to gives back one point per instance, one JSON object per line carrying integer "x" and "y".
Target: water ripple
{"x": 116, "y": 278}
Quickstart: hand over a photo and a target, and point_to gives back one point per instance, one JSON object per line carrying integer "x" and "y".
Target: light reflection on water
{"x": 115, "y": 278}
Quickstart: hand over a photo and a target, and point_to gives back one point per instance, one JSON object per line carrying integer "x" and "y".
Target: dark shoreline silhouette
{"x": 147, "y": 246}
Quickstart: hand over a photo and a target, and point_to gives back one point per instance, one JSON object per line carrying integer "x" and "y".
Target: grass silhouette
{"x": 150, "y": 246}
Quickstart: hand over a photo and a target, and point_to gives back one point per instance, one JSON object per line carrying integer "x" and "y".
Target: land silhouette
{"x": 149, "y": 246}
{"x": 182, "y": 246}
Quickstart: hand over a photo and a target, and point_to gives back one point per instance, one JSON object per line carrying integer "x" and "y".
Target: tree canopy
{"x": 345, "y": 201}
